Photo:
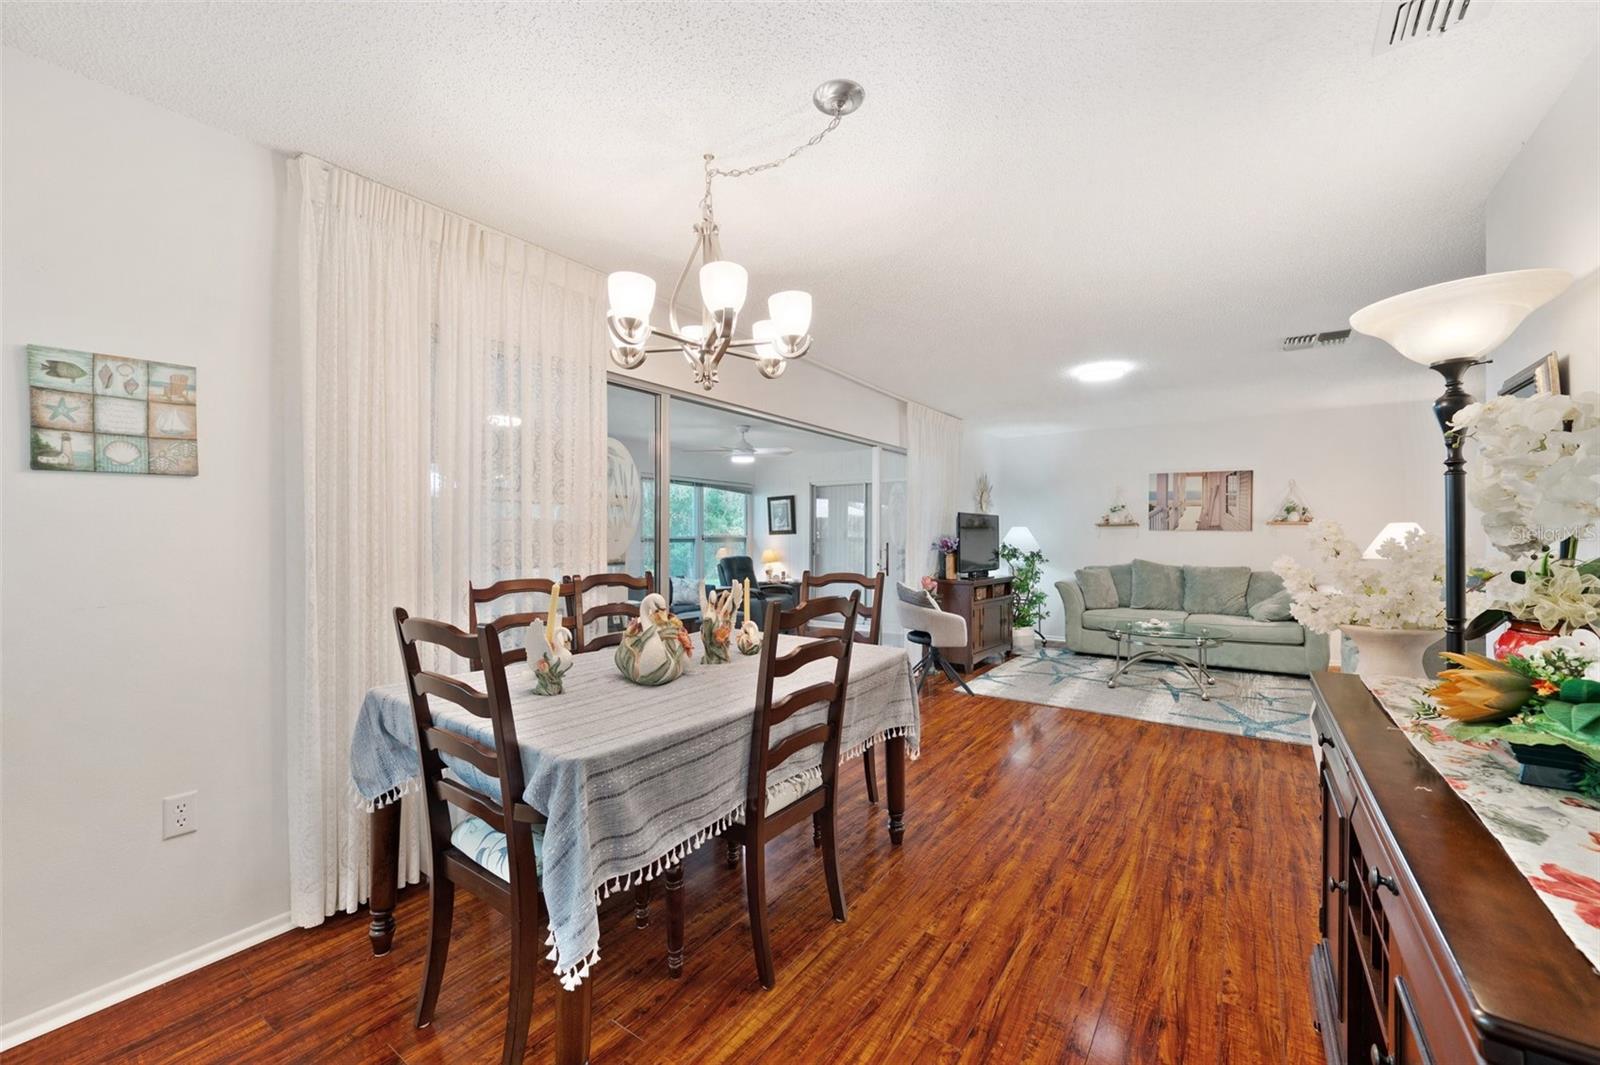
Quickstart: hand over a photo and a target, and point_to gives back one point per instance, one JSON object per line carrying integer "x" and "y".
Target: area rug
{"x": 1260, "y": 705}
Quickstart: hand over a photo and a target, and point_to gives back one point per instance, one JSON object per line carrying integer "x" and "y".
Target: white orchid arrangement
{"x": 1402, "y": 591}
{"x": 1536, "y": 480}
{"x": 1537, "y": 474}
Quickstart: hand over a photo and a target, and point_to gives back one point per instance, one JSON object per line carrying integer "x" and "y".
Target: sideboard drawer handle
{"x": 1376, "y": 880}
{"x": 1337, "y": 885}
{"x": 1324, "y": 740}
{"x": 1378, "y": 1057}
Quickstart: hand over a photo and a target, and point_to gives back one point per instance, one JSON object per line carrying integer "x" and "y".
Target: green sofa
{"x": 1267, "y": 646}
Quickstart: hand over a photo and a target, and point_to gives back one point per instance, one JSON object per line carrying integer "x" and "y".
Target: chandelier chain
{"x": 746, "y": 171}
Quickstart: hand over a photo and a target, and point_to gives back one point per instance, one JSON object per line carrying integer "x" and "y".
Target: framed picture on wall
{"x": 780, "y": 515}
{"x": 1542, "y": 378}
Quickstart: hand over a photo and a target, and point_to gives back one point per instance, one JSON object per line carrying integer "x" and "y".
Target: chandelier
{"x": 783, "y": 335}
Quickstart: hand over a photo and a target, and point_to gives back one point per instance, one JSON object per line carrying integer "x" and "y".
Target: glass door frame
{"x": 664, "y": 394}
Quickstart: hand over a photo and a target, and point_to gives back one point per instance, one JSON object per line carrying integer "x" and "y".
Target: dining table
{"x": 631, "y": 779}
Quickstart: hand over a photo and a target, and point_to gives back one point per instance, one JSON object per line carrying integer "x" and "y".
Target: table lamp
{"x": 1396, "y": 531}
{"x": 770, "y": 558}
{"x": 1450, "y": 327}
{"x": 1020, "y": 538}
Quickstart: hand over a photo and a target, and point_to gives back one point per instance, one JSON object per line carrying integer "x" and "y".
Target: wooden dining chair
{"x": 495, "y": 852}
{"x": 873, "y": 612}
{"x": 774, "y": 806}
{"x": 599, "y": 608}
{"x": 479, "y": 595}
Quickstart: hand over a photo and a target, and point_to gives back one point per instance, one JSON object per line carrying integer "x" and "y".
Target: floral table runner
{"x": 1552, "y": 837}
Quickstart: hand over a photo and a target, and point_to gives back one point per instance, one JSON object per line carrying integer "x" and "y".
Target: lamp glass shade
{"x": 694, "y": 334}
{"x": 1395, "y": 530}
{"x": 764, "y": 332}
{"x": 723, "y": 286}
{"x": 791, "y": 312}
{"x": 632, "y": 295}
{"x": 1020, "y": 538}
{"x": 1463, "y": 319}
{"x": 771, "y": 555}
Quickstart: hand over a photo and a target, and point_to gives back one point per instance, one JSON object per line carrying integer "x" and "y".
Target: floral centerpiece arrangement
{"x": 1536, "y": 481}
{"x": 1545, "y": 694}
{"x": 1393, "y": 608}
{"x": 946, "y": 546}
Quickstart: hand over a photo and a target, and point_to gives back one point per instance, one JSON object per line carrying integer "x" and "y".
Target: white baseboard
{"x": 51, "y": 1017}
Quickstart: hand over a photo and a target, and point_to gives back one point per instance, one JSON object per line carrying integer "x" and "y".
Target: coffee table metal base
{"x": 1195, "y": 667}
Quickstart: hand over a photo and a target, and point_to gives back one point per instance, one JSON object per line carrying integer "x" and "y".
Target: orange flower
{"x": 1544, "y": 687}
{"x": 1480, "y": 690}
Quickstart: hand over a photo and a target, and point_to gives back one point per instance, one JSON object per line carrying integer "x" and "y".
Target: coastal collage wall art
{"x": 109, "y": 414}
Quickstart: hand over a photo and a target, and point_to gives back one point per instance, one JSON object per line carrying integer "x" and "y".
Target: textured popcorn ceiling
{"x": 1025, "y": 188}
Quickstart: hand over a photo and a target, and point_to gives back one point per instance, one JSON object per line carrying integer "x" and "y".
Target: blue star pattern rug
{"x": 1260, "y": 705}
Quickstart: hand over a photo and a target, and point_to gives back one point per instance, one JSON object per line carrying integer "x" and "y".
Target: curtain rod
{"x": 818, "y": 363}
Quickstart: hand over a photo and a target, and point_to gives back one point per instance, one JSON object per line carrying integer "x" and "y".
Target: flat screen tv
{"x": 979, "y": 550}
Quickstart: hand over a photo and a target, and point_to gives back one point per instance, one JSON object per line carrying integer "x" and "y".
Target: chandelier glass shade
{"x": 774, "y": 341}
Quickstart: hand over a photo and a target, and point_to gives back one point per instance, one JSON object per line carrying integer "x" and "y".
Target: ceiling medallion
{"x": 783, "y": 335}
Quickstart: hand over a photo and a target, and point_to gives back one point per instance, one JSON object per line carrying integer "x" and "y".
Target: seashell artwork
{"x": 655, "y": 648}
{"x": 102, "y": 404}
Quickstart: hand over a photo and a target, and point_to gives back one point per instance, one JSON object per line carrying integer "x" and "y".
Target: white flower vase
{"x": 1390, "y": 652}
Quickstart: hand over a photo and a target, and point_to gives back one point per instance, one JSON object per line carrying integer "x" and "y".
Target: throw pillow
{"x": 914, "y": 596}
{"x": 1264, "y": 584}
{"x": 1278, "y": 607}
{"x": 1157, "y": 587}
{"x": 1215, "y": 589}
{"x": 1099, "y": 591}
{"x": 684, "y": 593}
{"x": 1122, "y": 577}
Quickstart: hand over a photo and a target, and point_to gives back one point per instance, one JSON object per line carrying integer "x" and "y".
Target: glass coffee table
{"x": 1176, "y": 643}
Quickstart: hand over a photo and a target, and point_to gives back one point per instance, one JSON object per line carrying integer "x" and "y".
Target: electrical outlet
{"x": 178, "y": 814}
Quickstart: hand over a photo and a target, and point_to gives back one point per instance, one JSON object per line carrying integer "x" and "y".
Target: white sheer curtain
{"x": 933, "y": 468}
{"x": 452, "y": 427}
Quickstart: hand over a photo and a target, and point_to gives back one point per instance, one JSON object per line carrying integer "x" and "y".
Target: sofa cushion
{"x": 1099, "y": 590}
{"x": 1156, "y": 587}
{"x": 1245, "y": 630}
{"x": 1278, "y": 607}
{"x": 684, "y": 592}
{"x": 1264, "y": 584}
{"x": 914, "y": 596}
{"x": 1215, "y": 589}
{"x": 1104, "y": 619}
{"x": 1122, "y": 577}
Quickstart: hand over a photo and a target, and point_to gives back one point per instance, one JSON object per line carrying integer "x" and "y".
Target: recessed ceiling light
{"x": 1101, "y": 371}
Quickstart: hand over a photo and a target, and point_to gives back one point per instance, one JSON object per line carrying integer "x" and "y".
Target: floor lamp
{"x": 1451, "y": 327}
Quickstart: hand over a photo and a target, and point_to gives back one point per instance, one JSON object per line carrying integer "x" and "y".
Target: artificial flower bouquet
{"x": 1547, "y": 693}
{"x": 1403, "y": 591}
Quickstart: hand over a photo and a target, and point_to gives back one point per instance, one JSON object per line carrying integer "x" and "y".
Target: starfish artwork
{"x": 63, "y": 410}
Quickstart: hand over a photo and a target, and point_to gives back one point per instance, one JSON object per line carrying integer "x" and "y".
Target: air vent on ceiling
{"x": 1403, "y": 21}
{"x": 1315, "y": 340}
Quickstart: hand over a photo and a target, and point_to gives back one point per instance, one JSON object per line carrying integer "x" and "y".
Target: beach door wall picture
{"x": 1209, "y": 501}
{"x": 109, "y": 414}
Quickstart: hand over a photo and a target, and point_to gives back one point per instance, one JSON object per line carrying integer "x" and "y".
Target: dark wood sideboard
{"x": 1435, "y": 949}
{"x": 985, "y": 604}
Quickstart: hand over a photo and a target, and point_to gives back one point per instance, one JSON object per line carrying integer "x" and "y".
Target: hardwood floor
{"x": 1073, "y": 888}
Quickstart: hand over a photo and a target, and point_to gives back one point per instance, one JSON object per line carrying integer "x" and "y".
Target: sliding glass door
{"x": 839, "y": 532}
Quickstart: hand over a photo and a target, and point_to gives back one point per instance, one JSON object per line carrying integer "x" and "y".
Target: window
{"x": 704, "y": 518}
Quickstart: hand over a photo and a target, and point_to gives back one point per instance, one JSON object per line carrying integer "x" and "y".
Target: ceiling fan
{"x": 742, "y": 453}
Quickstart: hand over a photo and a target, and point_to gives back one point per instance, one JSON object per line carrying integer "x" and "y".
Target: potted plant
{"x": 1028, "y": 599}
{"x": 1391, "y": 608}
{"x": 946, "y": 546}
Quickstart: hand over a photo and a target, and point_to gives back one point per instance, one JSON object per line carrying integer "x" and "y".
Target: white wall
{"x": 1363, "y": 467}
{"x": 794, "y": 475}
{"x": 142, "y": 616}
{"x": 1545, "y": 211}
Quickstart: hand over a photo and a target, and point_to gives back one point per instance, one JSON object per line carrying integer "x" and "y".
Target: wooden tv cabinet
{"x": 985, "y": 605}
{"x": 1434, "y": 949}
